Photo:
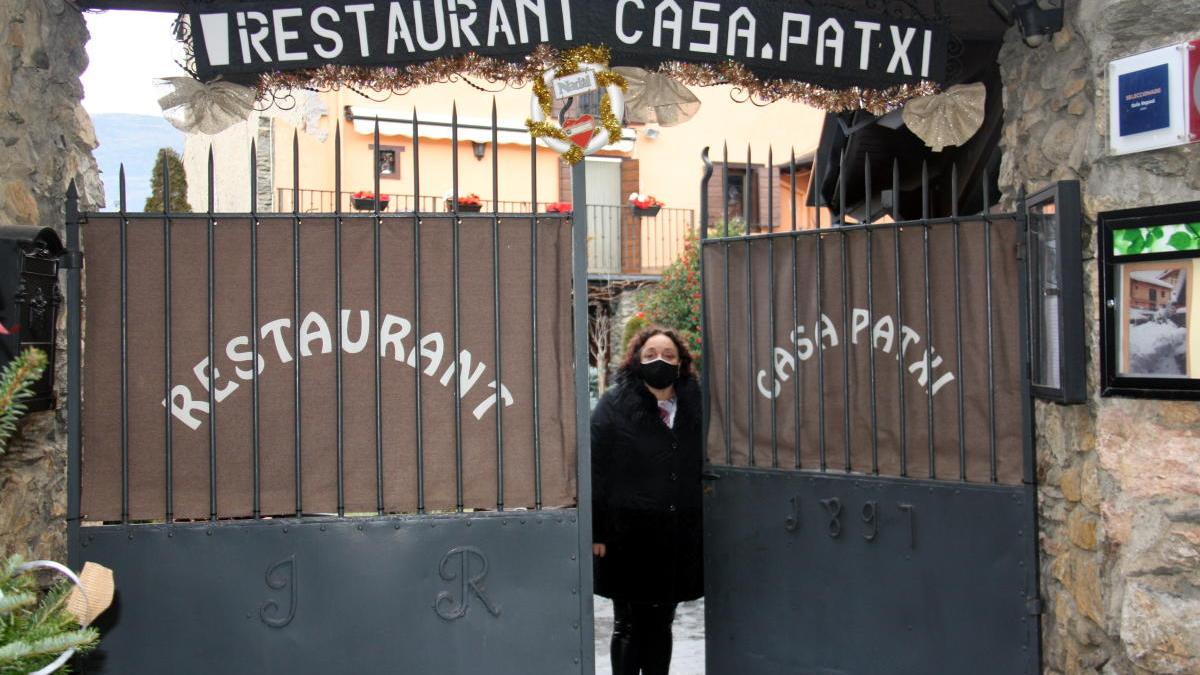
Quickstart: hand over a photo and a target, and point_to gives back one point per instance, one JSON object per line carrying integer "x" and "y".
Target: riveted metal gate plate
{"x": 825, "y": 574}
{"x": 474, "y": 593}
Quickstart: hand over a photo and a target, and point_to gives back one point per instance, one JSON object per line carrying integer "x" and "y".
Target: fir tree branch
{"x": 16, "y": 384}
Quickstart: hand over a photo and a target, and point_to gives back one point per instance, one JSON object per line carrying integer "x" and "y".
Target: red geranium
{"x": 558, "y": 207}
{"x": 364, "y": 194}
{"x": 644, "y": 201}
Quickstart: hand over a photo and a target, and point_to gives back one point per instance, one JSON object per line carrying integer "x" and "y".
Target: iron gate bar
{"x": 340, "y": 429}
{"x": 819, "y": 339}
{"x": 533, "y": 302}
{"x": 899, "y": 315}
{"x": 987, "y": 262}
{"x": 298, "y": 409}
{"x": 419, "y": 430}
{"x": 455, "y": 294}
{"x": 167, "y": 373}
{"x": 797, "y": 417}
{"x": 705, "y": 402}
{"x": 771, "y": 293}
{"x": 255, "y": 422}
{"x": 771, "y": 328}
{"x": 928, "y": 315}
{"x": 962, "y": 431}
{"x": 770, "y": 188}
{"x": 871, "y": 313}
{"x": 212, "y": 366}
{"x": 377, "y": 279}
{"x": 793, "y": 192}
{"x": 750, "y": 341}
{"x": 124, "y": 348}
{"x": 845, "y": 326}
{"x": 749, "y": 299}
{"x": 496, "y": 305}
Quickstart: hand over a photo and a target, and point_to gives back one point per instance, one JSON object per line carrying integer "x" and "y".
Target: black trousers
{"x": 641, "y": 639}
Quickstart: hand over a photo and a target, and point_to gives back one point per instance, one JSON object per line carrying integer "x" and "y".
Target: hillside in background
{"x": 133, "y": 140}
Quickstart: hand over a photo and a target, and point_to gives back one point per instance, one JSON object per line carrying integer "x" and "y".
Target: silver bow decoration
{"x": 654, "y": 98}
{"x": 206, "y": 108}
{"x": 949, "y": 118}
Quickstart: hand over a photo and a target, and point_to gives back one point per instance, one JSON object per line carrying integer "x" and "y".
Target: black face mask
{"x": 659, "y": 374}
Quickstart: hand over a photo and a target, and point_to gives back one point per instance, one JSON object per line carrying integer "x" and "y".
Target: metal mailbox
{"x": 29, "y": 300}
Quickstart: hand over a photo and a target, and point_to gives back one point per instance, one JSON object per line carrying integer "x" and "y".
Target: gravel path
{"x": 687, "y": 656}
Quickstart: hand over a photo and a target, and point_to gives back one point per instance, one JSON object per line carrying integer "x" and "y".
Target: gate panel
{"x": 820, "y": 574}
{"x": 414, "y": 595}
{"x": 316, "y": 443}
{"x": 871, "y": 505}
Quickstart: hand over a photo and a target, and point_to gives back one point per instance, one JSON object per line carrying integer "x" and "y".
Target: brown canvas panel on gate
{"x": 230, "y": 429}
{"x": 901, "y": 429}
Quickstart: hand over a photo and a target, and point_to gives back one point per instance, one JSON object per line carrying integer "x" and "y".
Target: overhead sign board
{"x": 773, "y": 39}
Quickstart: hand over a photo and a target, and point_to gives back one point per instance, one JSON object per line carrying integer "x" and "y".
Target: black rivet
{"x": 360, "y": 527}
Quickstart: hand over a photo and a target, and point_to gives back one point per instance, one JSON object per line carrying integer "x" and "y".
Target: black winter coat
{"x": 646, "y": 501}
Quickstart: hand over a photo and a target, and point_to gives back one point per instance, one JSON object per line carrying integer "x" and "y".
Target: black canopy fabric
{"x": 848, "y": 140}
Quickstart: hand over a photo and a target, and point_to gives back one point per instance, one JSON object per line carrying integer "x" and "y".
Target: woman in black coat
{"x": 646, "y": 462}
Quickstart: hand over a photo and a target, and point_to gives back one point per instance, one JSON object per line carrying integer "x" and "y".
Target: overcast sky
{"x": 127, "y": 52}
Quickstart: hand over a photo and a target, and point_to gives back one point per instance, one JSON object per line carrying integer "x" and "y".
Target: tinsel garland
{"x": 400, "y": 80}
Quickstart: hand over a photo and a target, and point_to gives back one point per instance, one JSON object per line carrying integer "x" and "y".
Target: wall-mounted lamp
{"x": 478, "y": 148}
{"x": 1037, "y": 19}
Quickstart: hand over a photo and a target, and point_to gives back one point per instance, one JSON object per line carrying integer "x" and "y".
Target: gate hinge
{"x": 1033, "y": 606}
{"x": 72, "y": 260}
{"x": 1021, "y": 248}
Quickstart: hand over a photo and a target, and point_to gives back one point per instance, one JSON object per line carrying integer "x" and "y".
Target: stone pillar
{"x": 46, "y": 140}
{"x": 1120, "y": 478}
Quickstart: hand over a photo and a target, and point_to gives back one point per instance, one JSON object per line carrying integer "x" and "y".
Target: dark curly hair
{"x": 633, "y": 355}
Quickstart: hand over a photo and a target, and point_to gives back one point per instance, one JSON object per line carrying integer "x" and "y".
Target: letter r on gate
{"x": 470, "y": 571}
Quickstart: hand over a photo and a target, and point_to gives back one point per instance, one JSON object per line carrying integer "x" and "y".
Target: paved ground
{"x": 687, "y": 657}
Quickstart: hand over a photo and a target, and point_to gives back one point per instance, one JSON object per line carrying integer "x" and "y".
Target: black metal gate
{"x": 277, "y": 496}
{"x": 870, "y": 505}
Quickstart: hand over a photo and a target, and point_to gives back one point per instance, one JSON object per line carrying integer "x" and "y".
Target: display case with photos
{"x": 1150, "y": 332}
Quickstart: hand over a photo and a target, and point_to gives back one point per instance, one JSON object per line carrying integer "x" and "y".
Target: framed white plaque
{"x": 1146, "y": 107}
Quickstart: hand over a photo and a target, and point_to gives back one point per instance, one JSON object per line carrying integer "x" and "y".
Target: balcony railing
{"x": 618, "y": 242}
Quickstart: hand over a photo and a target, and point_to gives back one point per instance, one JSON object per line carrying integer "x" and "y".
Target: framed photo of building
{"x": 1150, "y": 327}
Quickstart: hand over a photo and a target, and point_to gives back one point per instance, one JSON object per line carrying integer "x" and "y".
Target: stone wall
{"x": 46, "y": 140}
{"x": 1120, "y": 478}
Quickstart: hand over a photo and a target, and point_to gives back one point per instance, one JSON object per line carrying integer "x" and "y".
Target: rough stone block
{"x": 1081, "y": 528}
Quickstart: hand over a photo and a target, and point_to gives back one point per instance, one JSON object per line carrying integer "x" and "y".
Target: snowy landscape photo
{"x": 1156, "y": 320}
